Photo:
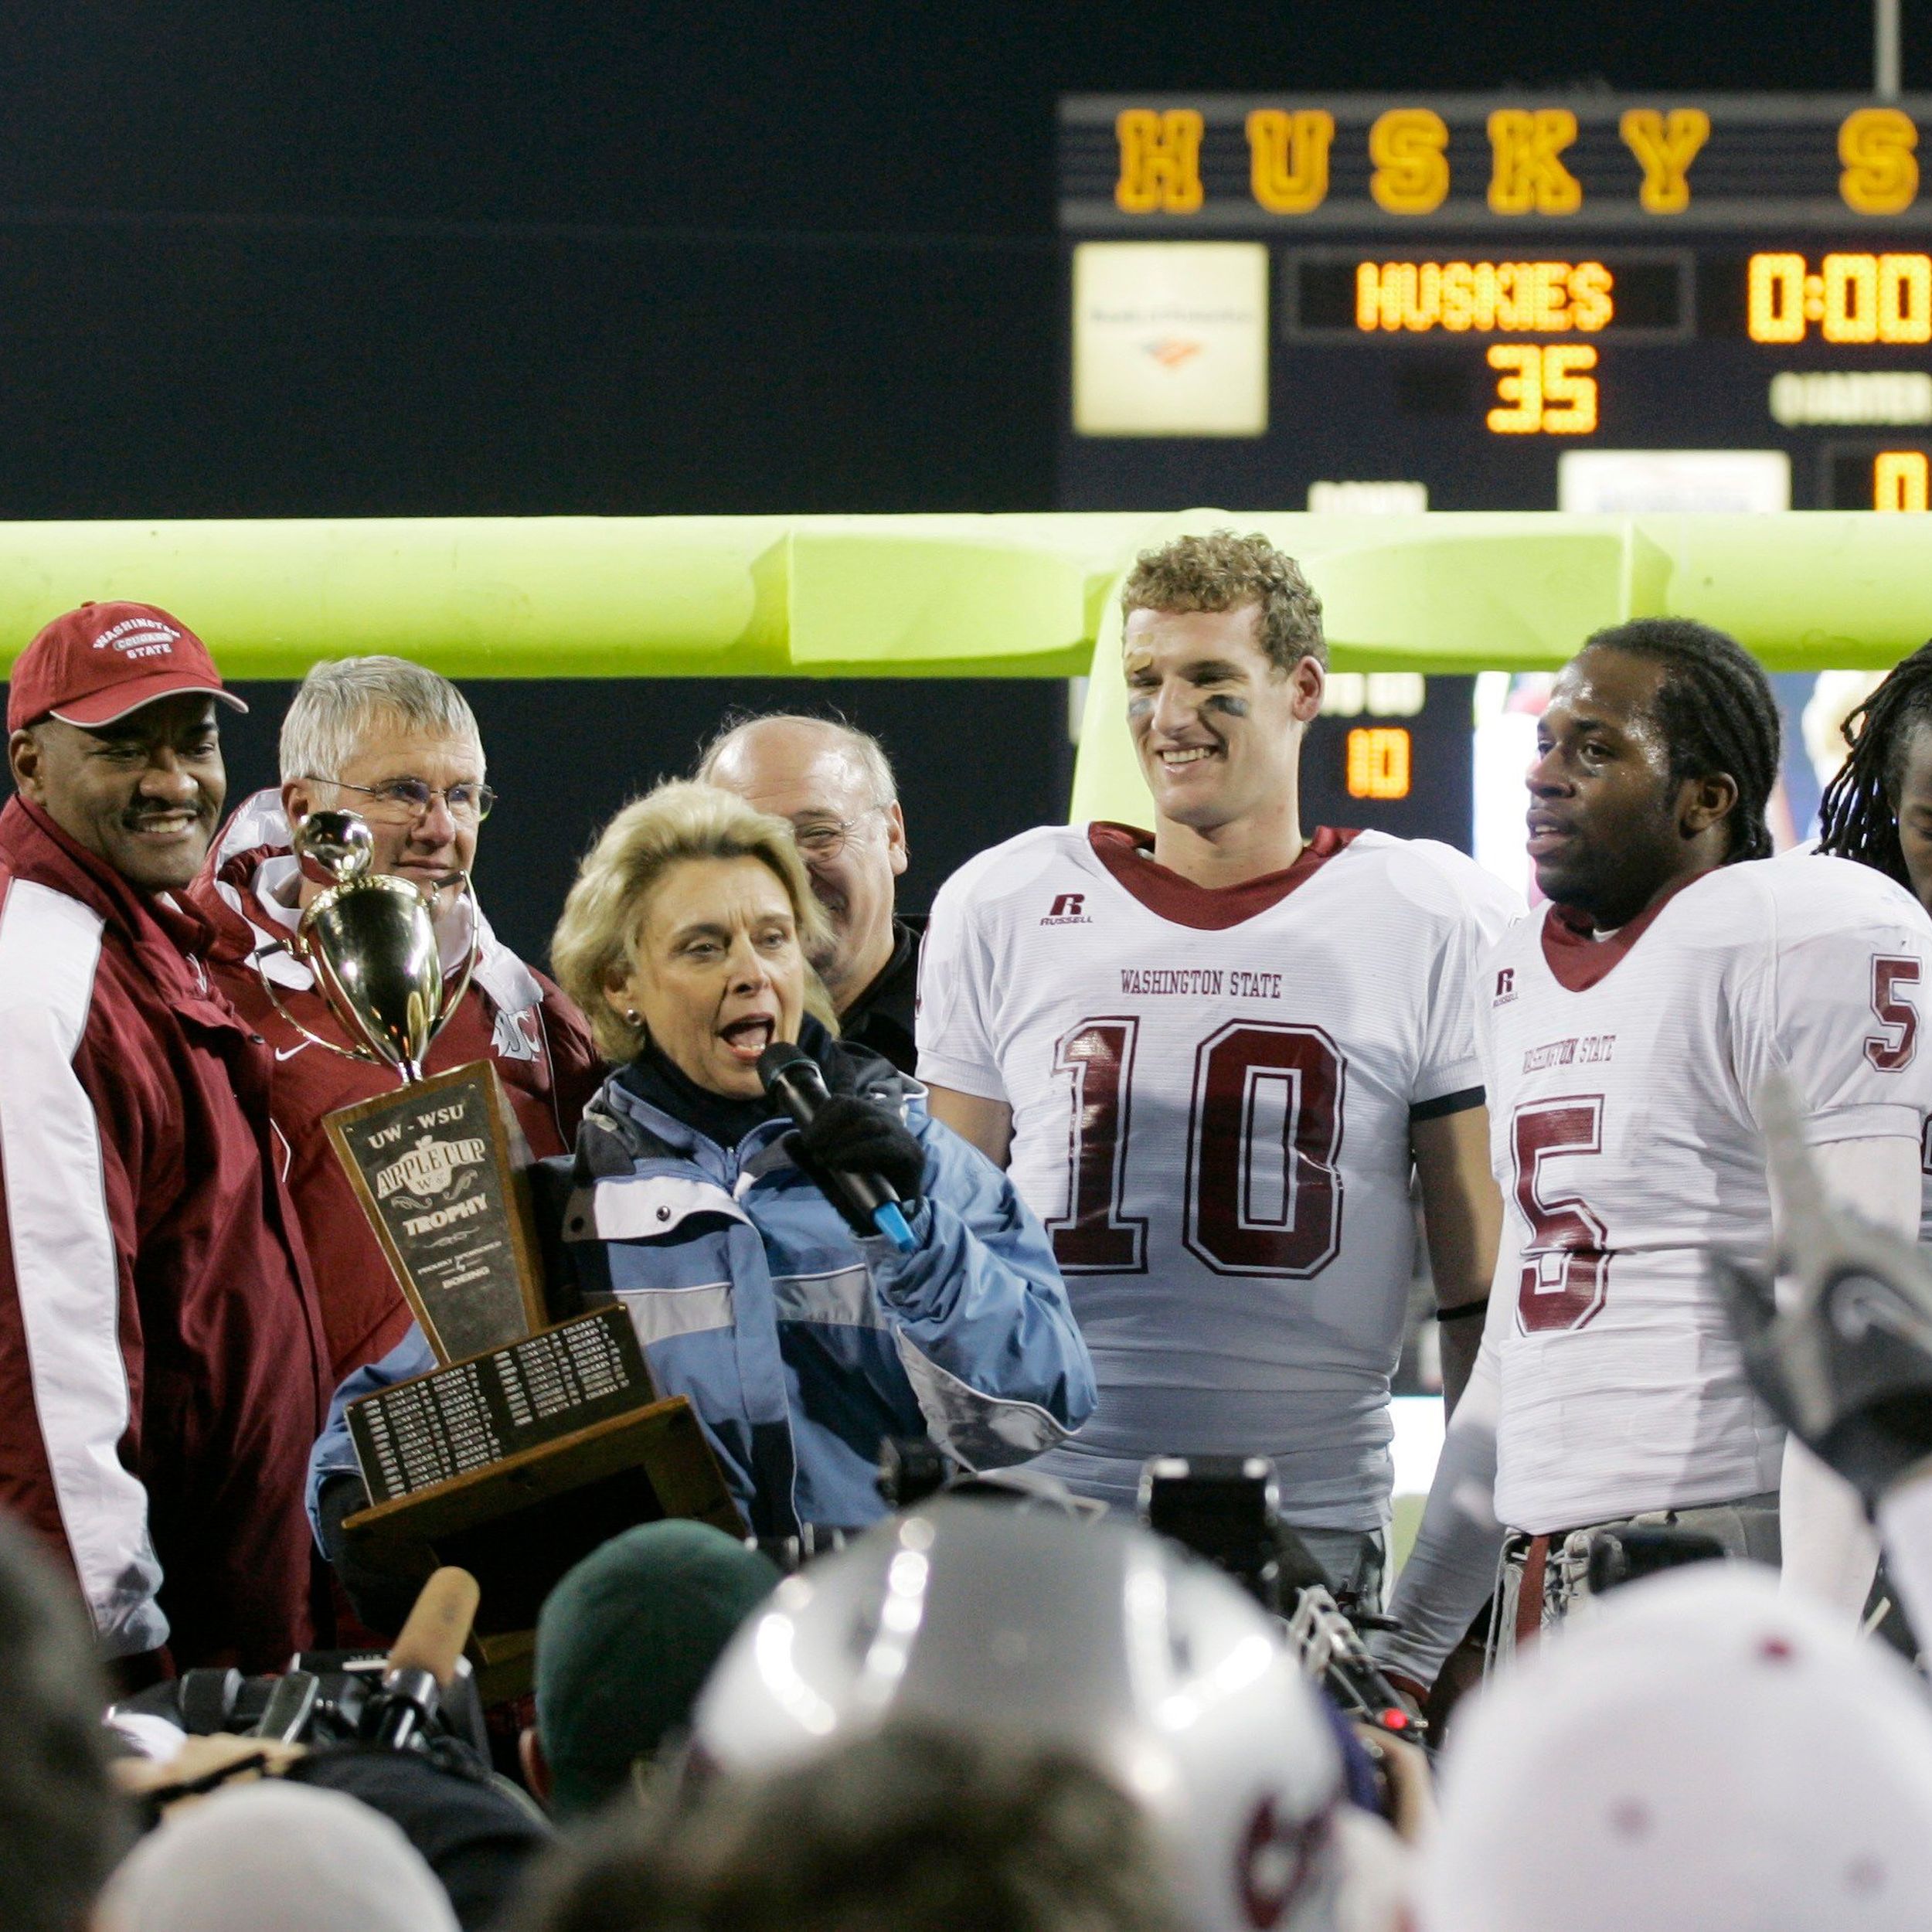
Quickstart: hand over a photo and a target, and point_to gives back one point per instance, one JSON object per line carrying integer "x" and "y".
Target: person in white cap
{"x": 289, "y": 1855}
{"x": 1701, "y": 1755}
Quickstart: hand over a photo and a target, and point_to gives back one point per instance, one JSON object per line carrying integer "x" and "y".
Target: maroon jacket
{"x": 162, "y": 1372}
{"x": 513, "y": 1017}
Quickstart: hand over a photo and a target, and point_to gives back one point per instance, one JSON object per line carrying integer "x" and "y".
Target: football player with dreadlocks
{"x": 1626, "y": 1033}
{"x": 1877, "y": 810}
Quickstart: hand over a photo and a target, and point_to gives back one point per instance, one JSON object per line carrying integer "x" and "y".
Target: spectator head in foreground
{"x": 61, "y": 1825}
{"x": 279, "y": 1855}
{"x": 111, "y": 732}
{"x": 623, "y": 1644}
{"x": 1704, "y": 1756}
{"x": 834, "y": 786}
{"x": 1099, "y": 1640}
{"x": 914, "y": 1830}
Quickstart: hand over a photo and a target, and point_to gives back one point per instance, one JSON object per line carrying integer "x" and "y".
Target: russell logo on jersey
{"x": 1067, "y": 910}
{"x": 1506, "y": 986}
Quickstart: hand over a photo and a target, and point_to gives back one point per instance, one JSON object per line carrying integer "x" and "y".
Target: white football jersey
{"x": 1623, "y": 1074}
{"x": 1211, "y": 1093}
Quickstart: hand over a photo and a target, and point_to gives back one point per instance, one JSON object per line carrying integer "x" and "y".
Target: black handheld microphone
{"x": 790, "y": 1075}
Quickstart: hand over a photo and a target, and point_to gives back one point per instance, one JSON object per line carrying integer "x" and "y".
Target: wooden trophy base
{"x": 516, "y": 1464}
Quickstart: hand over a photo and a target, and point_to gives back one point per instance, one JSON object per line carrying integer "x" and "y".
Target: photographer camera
{"x": 1224, "y": 1508}
{"x": 402, "y": 1734}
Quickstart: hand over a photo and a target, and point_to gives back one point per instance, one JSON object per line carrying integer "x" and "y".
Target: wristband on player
{"x": 1464, "y": 1312}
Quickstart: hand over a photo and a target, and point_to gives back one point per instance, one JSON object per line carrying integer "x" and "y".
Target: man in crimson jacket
{"x": 162, "y": 1369}
{"x": 399, "y": 745}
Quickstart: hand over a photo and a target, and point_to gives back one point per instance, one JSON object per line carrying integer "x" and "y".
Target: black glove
{"x": 850, "y": 1136}
{"x": 1848, "y": 1366}
{"x": 382, "y": 1581}
{"x": 1849, "y": 1374}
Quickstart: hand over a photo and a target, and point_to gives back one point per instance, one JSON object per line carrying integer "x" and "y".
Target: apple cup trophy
{"x": 439, "y": 1165}
{"x": 532, "y": 1443}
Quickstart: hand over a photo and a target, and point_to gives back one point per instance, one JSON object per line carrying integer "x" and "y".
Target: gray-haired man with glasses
{"x": 398, "y": 746}
{"x": 835, "y": 786}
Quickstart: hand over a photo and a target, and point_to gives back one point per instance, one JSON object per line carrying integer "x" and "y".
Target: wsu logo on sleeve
{"x": 1068, "y": 909}
{"x": 516, "y": 1035}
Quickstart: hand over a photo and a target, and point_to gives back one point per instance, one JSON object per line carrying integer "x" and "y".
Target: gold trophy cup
{"x": 439, "y": 1166}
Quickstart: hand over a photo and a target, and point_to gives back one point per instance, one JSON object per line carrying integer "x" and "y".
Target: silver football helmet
{"x": 1100, "y": 1639}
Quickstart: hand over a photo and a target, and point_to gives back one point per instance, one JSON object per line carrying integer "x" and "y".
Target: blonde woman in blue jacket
{"x": 803, "y": 1338}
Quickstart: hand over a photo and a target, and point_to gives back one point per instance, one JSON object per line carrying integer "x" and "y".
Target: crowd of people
{"x": 1167, "y": 1111}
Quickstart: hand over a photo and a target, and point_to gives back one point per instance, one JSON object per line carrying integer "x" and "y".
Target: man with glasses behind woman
{"x": 399, "y": 745}
{"x": 834, "y": 785}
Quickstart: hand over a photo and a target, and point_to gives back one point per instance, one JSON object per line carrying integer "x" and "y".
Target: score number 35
{"x": 1543, "y": 391}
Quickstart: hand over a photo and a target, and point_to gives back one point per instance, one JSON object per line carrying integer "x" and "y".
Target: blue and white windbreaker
{"x": 801, "y": 1345}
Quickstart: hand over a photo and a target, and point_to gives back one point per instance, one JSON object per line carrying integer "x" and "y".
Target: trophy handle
{"x": 454, "y": 1000}
{"x": 275, "y": 1000}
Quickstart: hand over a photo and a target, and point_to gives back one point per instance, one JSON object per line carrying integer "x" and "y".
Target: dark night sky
{"x": 361, "y": 259}
{"x": 358, "y": 259}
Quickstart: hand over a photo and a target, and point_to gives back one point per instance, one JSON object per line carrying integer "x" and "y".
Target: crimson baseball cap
{"x": 93, "y": 665}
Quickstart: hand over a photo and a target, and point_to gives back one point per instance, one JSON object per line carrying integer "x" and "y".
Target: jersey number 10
{"x": 1226, "y": 1227}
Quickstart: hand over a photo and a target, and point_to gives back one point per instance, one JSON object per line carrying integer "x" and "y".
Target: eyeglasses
{"x": 411, "y": 797}
{"x": 824, "y": 838}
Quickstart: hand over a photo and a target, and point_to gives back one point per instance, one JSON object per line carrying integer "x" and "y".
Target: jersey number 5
{"x": 1252, "y": 1081}
{"x": 1890, "y": 1052}
{"x": 1565, "y": 1264}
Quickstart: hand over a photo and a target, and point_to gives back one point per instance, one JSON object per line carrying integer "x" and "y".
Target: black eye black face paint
{"x": 1139, "y": 707}
{"x": 1229, "y": 706}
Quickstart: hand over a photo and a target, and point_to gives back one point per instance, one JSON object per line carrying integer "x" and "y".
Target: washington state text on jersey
{"x": 1205, "y": 982}
{"x": 1590, "y": 1049}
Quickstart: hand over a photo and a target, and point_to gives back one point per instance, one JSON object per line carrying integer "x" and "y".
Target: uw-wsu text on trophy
{"x": 439, "y": 1165}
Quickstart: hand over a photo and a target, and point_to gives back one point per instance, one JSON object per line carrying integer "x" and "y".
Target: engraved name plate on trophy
{"x": 504, "y": 1403}
{"x": 517, "y": 1462}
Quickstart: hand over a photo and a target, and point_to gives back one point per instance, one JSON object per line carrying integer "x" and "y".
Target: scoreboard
{"x": 1278, "y": 301}
{"x": 1464, "y": 302}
